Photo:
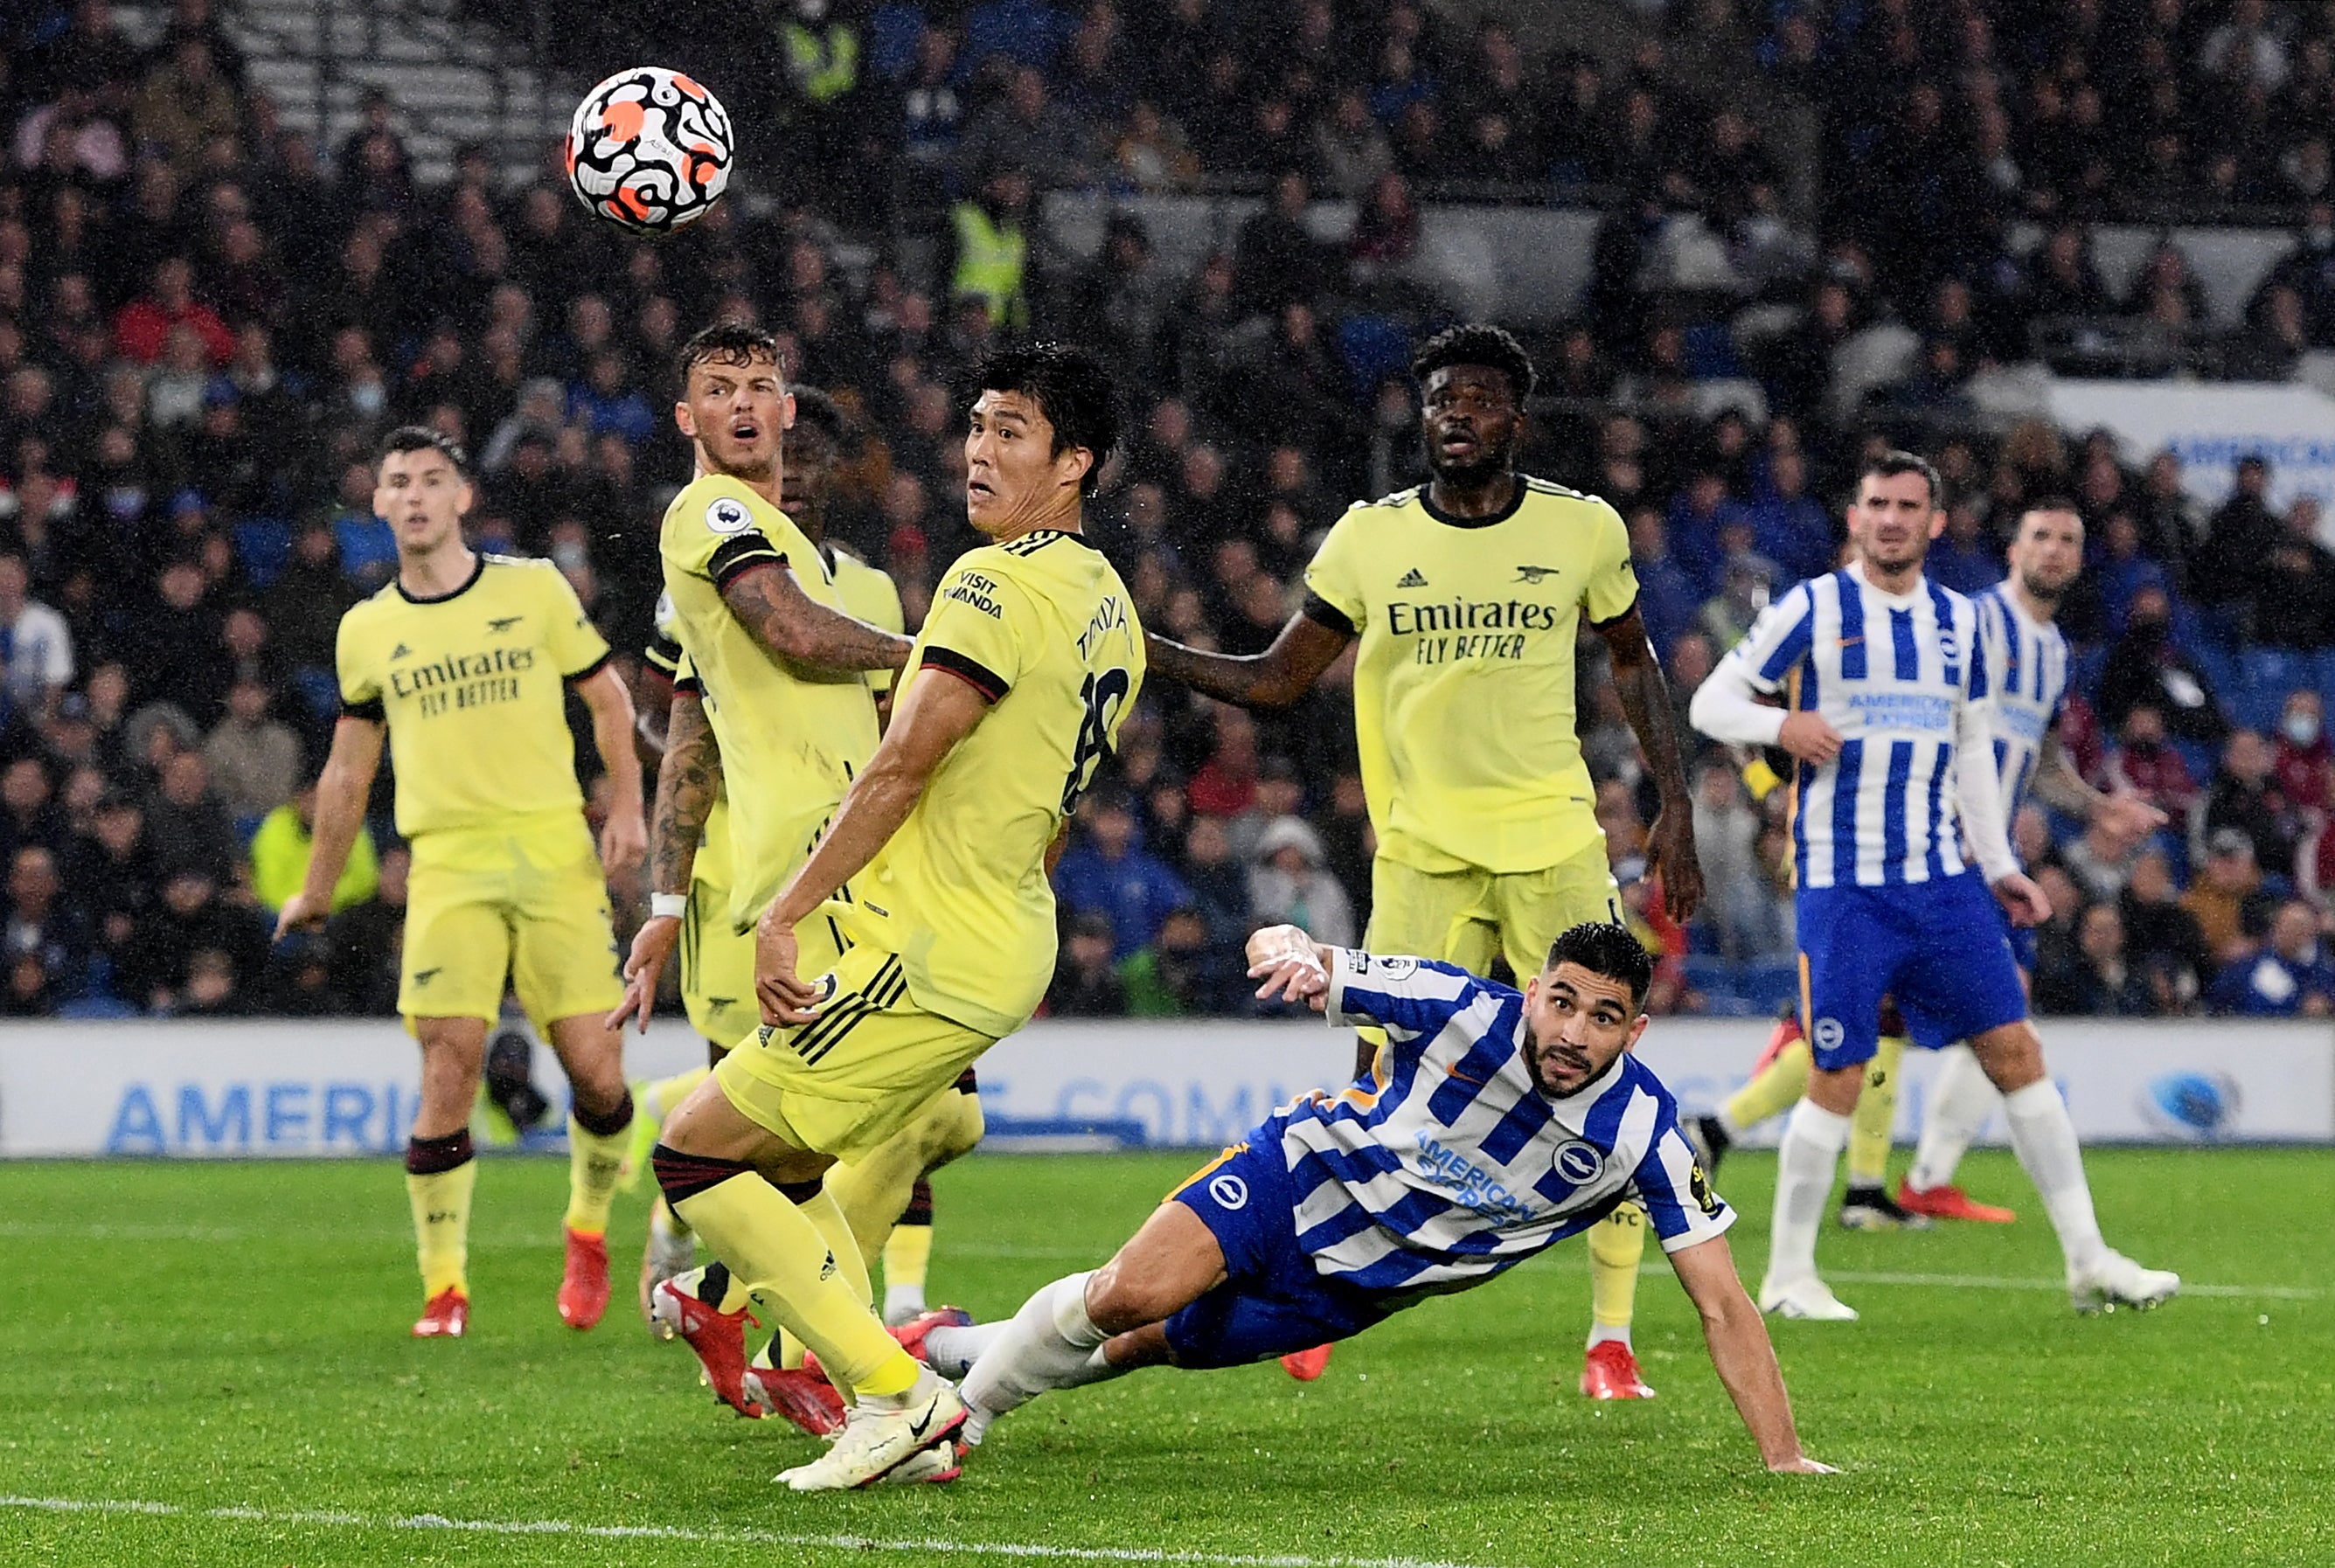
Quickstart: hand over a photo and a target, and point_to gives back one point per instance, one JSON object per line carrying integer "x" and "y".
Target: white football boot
{"x": 1807, "y": 1297}
{"x": 877, "y": 1441}
{"x": 2115, "y": 1281}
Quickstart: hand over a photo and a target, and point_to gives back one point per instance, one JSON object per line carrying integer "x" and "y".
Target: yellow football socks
{"x": 797, "y": 1279}
{"x": 441, "y": 1222}
{"x": 596, "y": 1155}
{"x": 908, "y": 1256}
{"x": 1616, "y": 1243}
{"x": 1774, "y": 1091}
{"x": 1876, "y": 1111}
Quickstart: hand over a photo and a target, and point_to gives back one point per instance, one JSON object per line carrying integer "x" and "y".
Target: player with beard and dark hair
{"x": 1465, "y": 593}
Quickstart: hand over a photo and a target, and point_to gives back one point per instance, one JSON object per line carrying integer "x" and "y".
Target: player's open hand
{"x": 1285, "y": 958}
{"x": 1801, "y": 1465}
{"x": 1670, "y": 846}
{"x": 2023, "y": 901}
{"x": 301, "y": 913}
{"x": 2130, "y": 816}
{"x": 783, "y": 996}
{"x": 1807, "y": 736}
{"x": 623, "y": 844}
{"x": 651, "y": 947}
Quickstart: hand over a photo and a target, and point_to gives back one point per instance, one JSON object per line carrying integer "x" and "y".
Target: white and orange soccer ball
{"x": 649, "y": 149}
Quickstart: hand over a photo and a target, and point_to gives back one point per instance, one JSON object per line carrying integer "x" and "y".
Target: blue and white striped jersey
{"x": 1890, "y": 674}
{"x": 2027, "y": 668}
{"x": 1456, "y": 1167}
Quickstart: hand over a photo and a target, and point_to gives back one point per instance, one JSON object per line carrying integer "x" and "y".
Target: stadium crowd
{"x": 206, "y": 322}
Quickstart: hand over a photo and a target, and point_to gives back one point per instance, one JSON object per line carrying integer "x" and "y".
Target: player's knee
{"x": 2011, "y": 1055}
{"x": 1117, "y": 1304}
{"x": 965, "y": 1129}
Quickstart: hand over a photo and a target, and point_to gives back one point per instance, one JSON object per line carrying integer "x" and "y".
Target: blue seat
{"x": 2265, "y": 675}
{"x": 1708, "y": 972}
{"x": 263, "y": 545}
{"x": 1771, "y": 985}
{"x": 1730, "y": 1006}
{"x": 1709, "y": 351}
{"x": 2084, "y": 668}
{"x": 96, "y": 1007}
{"x": 1374, "y": 349}
{"x": 2323, "y": 669}
{"x": 319, "y": 688}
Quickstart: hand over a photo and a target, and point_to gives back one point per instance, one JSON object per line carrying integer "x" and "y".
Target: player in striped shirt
{"x": 1886, "y": 681}
{"x": 2027, "y": 667}
{"x": 1494, "y": 1125}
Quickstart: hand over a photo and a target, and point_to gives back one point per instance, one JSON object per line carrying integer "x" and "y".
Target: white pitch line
{"x": 1016, "y": 1549}
{"x": 2008, "y": 1282}
{"x": 39, "y": 1230}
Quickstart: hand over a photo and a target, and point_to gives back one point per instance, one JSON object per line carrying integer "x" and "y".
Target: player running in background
{"x": 464, "y": 659}
{"x": 2027, "y": 672}
{"x": 1467, "y": 595}
{"x": 1495, "y": 1125}
{"x": 1028, "y": 662}
{"x": 1887, "y": 685}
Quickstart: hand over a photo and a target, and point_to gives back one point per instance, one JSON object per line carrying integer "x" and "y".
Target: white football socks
{"x": 1961, "y": 1099}
{"x": 1051, "y": 1343}
{"x": 2045, "y": 1139}
{"x": 1805, "y": 1163}
{"x": 951, "y": 1352}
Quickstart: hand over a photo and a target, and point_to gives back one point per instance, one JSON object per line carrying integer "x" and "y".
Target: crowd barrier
{"x": 277, "y": 1088}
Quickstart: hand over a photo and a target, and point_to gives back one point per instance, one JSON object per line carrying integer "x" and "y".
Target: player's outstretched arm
{"x": 788, "y": 622}
{"x": 937, "y": 710}
{"x": 2057, "y": 785}
{"x": 624, "y": 839}
{"x": 340, "y": 792}
{"x": 652, "y": 704}
{"x": 1738, "y": 1338}
{"x": 1646, "y": 700}
{"x": 1272, "y": 678}
{"x": 1292, "y": 964}
{"x": 688, "y": 781}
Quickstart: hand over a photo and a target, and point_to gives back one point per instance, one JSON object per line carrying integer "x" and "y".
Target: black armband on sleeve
{"x": 739, "y": 555}
{"x": 1630, "y": 610}
{"x": 1323, "y": 612}
{"x": 370, "y": 711}
{"x": 971, "y": 671}
{"x": 592, "y": 669}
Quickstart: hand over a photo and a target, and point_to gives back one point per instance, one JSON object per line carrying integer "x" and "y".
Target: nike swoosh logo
{"x": 918, "y": 1428}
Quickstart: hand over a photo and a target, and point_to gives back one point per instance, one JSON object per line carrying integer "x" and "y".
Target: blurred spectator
{"x": 2291, "y": 975}
{"x": 2302, "y": 761}
{"x": 142, "y": 329}
{"x": 29, "y": 814}
{"x": 1109, "y": 873}
{"x": 2226, "y": 899}
{"x": 1219, "y": 884}
{"x": 254, "y": 762}
{"x": 186, "y": 104}
{"x": 2244, "y": 796}
{"x": 2099, "y": 859}
{"x": 37, "y": 926}
{"x": 2147, "y": 765}
{"x": 364, "y": 942}
{"x": 1183, "y": 972}
{"x": 185, "y": 824}
{"x": 2145, "y": 666}
{"x": 2291, "y": 584}
{"x": 280, "y": 849}
{"x": 190, "y": 919}
{"x": 1726, "y": 831}
{"x": 991, "y": 266}
{"x": 1085, "y": 984}
{"x": 1289, "y": 883}
{"x": 2092, "y": 975}
{"x": 1226, "y": 784}
{"x": 2162, "y": 939}
{"x": 37, "y": 650}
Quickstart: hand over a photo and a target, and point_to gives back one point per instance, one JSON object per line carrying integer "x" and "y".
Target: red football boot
{"x": 1306, "y": 1365}
{"x": 1611, "y": 1372}
{"x": 802, "y": 1396}
{"x": 718, "y": 1338}
{"x": 444, "y": 1316}
{"x": 584, "y": 1288}
{"x": 1949, "y": 1203}
{"x": 911, "y": 1335}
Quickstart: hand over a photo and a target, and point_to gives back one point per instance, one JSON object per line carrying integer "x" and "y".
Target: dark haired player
{"x": 1465, "y": 593}
{"x": 1029, "y": 660}
{"x": 1494, "y": 1125}
{"x": 463, "y": 659}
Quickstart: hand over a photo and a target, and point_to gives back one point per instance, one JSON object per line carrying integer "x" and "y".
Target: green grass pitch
{"x": 208, "y": 1364}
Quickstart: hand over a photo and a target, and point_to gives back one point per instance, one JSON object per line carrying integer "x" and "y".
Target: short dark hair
{"x": 1897, "y": 460}
{"x": 727, "y": 342}
{"x": 2051, "y": 503}
{"x": 1070, "y": 388}
{"x": 1603, "y": 948}
{"x": 1477, "y": 343}
{"x": 816, "y": 410}
{"x": 422, "y": 437}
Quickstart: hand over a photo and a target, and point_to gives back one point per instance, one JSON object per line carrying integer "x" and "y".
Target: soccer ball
{"x": 649, "y": 149}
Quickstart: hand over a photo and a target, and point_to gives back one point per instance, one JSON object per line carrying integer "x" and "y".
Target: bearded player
{"x": 1466, "y": 595}
{"x": 465, "y": 659}
{"x": 1027, "y": 663}
{"x": 2028, "y": 664}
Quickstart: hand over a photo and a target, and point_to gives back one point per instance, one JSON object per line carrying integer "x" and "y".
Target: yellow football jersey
{"x": 868, "y": 593}
{"x": 1043, "y": 628}
{"x": 1463, "y": 685}
{"x": 790, "y": 742}
{"x": 472, "y": 685}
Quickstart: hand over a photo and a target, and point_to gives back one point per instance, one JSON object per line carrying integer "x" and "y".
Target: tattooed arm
{"x": 687, "y": 785}
{"x": 792, "y": 625}
{"x": 1646, "y": 699}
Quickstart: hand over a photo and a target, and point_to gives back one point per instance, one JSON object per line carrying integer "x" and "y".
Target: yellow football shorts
{"x": 846, "y": 1081}
{"x": 1466, "y": 916}
{"x": 717, "y": 967}
{"x": 527, "y": 911}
